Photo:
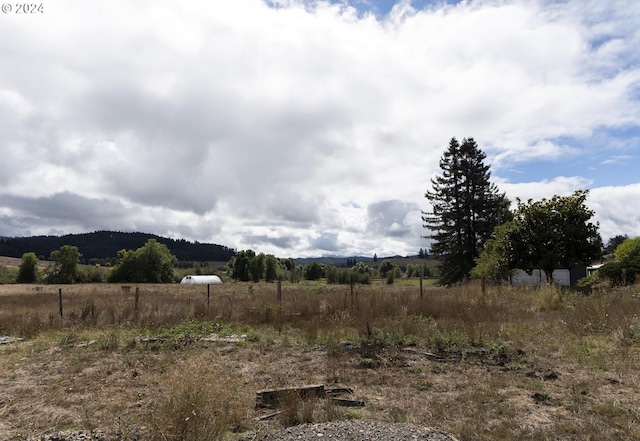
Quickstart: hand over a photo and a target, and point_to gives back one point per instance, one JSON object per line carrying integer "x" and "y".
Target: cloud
{"x": 560, "y": 185}
{"x": 64, "y": 208}
{"x": 302, "y": 127}
{"x": 615, "y": 210}
{"x": 280, "y": 242}
{"x": 327, "y": 242}
{"x": 617, "y": 160}
{"x": 389, "y": 218}
{"x": 515, "y": 153}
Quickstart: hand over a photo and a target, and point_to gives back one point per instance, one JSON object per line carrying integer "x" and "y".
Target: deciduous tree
{"x": 151, "y": 263}
{"x": 553, "y": 233}
{"x": 495, "y": 261}
{"x": 313, "y": 271}
{"x": 239, "y": 265}
{"x": 270, "y": 268}
{"x": 28, "y": 271}
{"x": 384, "y": 267}
{"x": 65, "y": 265}
{"x": 625, "y": 248}
{"x": 256, "y": 267}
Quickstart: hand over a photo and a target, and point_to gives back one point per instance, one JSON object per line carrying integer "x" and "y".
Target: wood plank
{"x": 273, "y": 397}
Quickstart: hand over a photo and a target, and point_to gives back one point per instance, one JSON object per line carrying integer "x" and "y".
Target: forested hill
{"x": 106, "y": 244}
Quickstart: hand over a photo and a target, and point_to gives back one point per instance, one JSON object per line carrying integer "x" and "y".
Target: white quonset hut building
{"x": 201, "y": 280}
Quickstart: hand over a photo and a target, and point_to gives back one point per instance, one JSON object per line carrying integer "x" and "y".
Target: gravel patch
{"x": 356, "y": 430}
{"x": 351, "y": 430}
{"x": 79, "y": 435}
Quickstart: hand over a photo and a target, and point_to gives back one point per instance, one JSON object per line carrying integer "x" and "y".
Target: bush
{"x": 345, "y": 276}
{"x": 95, "y": 274}
{"x": 585, "y": 284}
{"x": 28, "y": 271}
{"x": 418, "y": 270}
{"x": 390, "y": 276}
{"x": 612, "y": 271}
{"x": 313, "y": 271}
{"x": 624, "y": 271}
{"x": 7, "y": 275}
{"x": 385, "y": 267}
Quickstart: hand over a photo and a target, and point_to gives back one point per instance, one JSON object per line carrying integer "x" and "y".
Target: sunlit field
{"x": 142, "y": 361}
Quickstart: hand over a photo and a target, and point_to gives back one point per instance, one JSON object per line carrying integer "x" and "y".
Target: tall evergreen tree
{"x": 466, "y": 207}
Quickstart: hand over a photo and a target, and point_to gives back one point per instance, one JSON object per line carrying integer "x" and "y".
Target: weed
{"x": 200, "y": 402}
{"x": 290, "y": 405}
{"x": 108, "y": 340}
{"x": 68, "y": 337}
{"x": 443, "y": 341}
{"x": 399, "y": 415}
{"x": 368, "y": 362}
{"x": 548, "y": 298}
{"x": 190, "y": 329}
{"x": 130, "y": 344}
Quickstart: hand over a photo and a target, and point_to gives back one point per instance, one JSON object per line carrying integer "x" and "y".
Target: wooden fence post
{"x": 279, "y": 292}
{"x": 351, "y": 291}
{"x": 137, "y": 298}
{"x": 420, "y": 286}
{"x": 60, "y": 301}
{"x": 208, "y": 295}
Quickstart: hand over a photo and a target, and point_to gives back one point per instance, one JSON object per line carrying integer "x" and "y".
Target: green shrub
{"x": 390, "y": 276}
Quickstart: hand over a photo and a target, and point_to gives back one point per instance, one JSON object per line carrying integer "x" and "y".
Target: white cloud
{"x": 292, "y": 126}
{"x": 560, "y": 185}
{"x": 616, "y": 210}
{"x": 616, "y": 160}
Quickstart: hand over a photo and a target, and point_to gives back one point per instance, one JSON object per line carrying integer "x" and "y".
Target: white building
{"x": 560, "y": 276}
{"x": 201, "y": 280}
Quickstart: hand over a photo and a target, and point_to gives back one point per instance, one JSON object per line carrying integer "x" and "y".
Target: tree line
{"x": 246, "y": 266}
{"x": 476, "y": 234}
{"x": 154, "y": 263}
{"x": 151, "y": 263}
{"x": 101, "y": 247}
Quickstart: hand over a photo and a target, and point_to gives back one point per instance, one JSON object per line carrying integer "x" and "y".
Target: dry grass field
{"x": 14, "y": 263}
{"x": 526, "y": 364}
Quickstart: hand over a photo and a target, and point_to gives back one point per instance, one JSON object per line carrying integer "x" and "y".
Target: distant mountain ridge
{"x": 106, "y": 244}
{"x": 343, "y": 261}
{"x": 331, "y": 260}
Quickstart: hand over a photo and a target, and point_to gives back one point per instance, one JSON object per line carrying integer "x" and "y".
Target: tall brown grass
{"x": 591, "y": 333}
{"x": 200, "y": 402}
{"x": 322, "y": 312}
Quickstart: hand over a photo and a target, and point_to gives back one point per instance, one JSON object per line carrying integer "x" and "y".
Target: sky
{"x": 305, "y": 128}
